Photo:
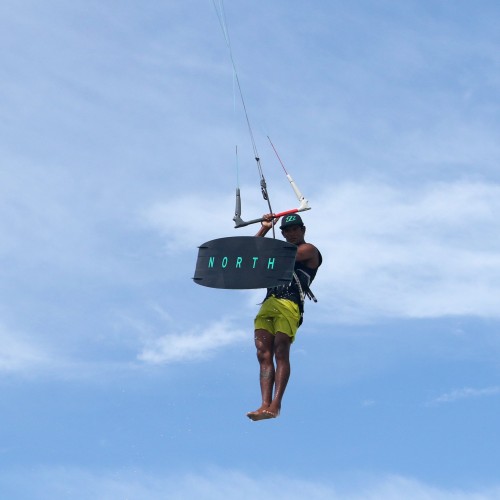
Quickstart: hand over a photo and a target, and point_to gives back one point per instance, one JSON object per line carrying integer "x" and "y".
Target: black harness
{"x": 299, "y": 288}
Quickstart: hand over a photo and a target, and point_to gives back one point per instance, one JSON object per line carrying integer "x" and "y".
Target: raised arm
{"x": 266, "y": 224}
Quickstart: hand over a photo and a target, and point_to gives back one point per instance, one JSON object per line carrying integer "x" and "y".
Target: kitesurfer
{"x": 280, "y": 316}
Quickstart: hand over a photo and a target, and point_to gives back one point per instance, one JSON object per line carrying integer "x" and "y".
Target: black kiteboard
{"x": 242, "y": 262}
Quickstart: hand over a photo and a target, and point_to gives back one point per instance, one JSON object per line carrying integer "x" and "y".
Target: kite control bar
{"x": 239, "y": 222}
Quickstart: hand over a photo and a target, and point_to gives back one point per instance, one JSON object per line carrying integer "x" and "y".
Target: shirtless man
{"x": 280, "y": 316}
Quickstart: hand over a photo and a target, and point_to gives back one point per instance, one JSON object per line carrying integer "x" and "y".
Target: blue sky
{"x": 120, "y": 378}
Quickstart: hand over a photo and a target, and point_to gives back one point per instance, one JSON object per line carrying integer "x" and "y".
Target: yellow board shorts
{"x": 278, "y": 315}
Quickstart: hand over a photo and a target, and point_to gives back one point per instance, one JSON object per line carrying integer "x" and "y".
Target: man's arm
{"x": 266, "y": 224}
{"x": 308, "y": 254}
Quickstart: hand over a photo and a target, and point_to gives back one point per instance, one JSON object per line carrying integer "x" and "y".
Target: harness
{"x": 299, "y": 288}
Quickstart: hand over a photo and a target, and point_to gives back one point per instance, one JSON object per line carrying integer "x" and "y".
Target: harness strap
{"x": 308, "y": 292}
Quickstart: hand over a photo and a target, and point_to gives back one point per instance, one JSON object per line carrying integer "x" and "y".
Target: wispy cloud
{"x": 58, "y": 483}
{"x": 198, "y": 218}
{"x": 192, "y": 345}
{"x": 19, "y": 354}
{"x": 466, "y": 393}
{"x": 402, "y": 252}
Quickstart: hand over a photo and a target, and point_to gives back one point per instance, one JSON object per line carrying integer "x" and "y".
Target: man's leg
{"x": 282, "y": 344}
{"x": 264, "y": 342}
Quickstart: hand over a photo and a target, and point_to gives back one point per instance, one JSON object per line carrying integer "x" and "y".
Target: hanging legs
{"x": 273, "y": 354}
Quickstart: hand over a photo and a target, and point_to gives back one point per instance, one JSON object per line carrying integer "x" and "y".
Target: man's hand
{"x": 267, "y": 223}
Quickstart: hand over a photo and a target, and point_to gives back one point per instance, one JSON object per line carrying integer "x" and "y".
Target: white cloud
{"x": 58, "y": 483}
{"x": 18, "y": 354}
{"x": 192, "y": 345}
{"x": 187, "y": 221}
{"x": 401, "y": 252}
{"x": 466, "y": 393}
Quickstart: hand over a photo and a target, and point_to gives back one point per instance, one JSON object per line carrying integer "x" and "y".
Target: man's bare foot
{"x": 264, "y": 413}
{"x": 257, "y": 414}
{"x": 272, "y": 411}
